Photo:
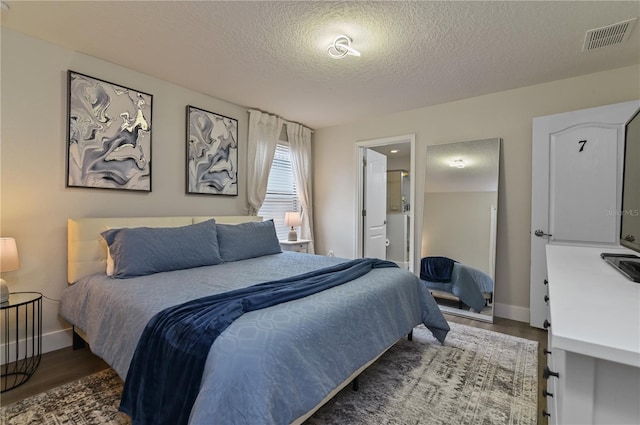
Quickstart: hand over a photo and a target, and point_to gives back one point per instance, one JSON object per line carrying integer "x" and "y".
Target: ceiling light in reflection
{"x": 457, "y": 163}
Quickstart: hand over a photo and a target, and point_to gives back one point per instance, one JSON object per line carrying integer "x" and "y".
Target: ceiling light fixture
{"x": 341, "y": 47}
{"x": 458, "y": 163}
{"x": 394, "y": 151}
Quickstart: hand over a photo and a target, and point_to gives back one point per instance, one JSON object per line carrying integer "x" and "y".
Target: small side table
{"x": 21, "y": 337}
{"x": 301, "y": 245}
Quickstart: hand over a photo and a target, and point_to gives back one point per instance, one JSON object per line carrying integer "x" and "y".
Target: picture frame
{"x": 212, "y": 153}
{"x": 108, "y": 135}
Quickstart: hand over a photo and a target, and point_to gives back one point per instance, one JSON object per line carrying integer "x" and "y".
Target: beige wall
{"x": 35, "y": 204}
{"x": 394, "y": 163}
{"x": 458, "y": 225}
{"x": 507, "y": 115}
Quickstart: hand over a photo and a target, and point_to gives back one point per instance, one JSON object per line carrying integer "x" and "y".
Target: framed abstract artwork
{"x": 109, "y": 135}
{"x": 212, "y": 153}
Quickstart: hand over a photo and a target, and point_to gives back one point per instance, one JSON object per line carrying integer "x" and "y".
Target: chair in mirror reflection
{"x": 459, "y": 226}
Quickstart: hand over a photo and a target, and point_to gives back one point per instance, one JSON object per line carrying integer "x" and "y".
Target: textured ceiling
{"x": 272, "y": 55}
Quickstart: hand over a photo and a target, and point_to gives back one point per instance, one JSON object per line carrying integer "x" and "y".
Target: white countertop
{"x": 595, "y": 310}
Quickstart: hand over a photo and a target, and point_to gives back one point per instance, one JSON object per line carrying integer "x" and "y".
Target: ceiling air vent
{"x": 609, "y": 35}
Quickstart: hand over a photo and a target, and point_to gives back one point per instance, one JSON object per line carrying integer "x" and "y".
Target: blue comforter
{"x": 467, "y": 283}
{"x": 273, "y": 365}
{"x": 172, "y": 351}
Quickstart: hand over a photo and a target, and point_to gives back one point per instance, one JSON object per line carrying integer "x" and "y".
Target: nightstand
{"x": 21, "y": 336}
{"x": 301, "y": 245}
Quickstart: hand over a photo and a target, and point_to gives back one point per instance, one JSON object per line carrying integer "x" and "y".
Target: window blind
{"x": 282, "y": 195}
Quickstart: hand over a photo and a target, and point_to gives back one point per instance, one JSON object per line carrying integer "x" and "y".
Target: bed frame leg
{"x": 355, "y": 385}
{"x": 78, "y": 342}
{"x": 410, "y": 335}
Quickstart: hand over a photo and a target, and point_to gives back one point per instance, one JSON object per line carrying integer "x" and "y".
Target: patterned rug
{"x": 477, "y": 377}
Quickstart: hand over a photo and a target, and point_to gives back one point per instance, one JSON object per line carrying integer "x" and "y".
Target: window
{"x": 282, "y": 195}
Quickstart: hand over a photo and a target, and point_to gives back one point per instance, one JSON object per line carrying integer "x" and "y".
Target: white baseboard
{"x": 513, "y": 312}
{"x": 57, "y": 340}
{"x": 50, "y": 342}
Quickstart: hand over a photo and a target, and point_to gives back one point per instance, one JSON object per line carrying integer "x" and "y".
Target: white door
{"x": 576, "y": 182}
{"x": 398, "y": 237}
{"x": 375, "y": 205}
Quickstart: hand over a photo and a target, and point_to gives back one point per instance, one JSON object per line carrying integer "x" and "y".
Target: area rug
{"x": 477, "y": 377}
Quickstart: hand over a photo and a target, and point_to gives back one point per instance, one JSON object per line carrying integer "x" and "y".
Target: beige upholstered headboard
{"x": 86, "y": 252}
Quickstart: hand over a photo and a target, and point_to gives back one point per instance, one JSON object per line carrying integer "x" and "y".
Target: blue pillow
{"x": 142, "y": 251}
{"x": 247, "y": 240}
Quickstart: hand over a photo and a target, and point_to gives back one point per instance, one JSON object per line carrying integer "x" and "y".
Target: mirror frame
{"x": 450, "y": 183}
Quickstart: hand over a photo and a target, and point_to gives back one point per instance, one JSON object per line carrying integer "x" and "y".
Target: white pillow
{"x": 110, "y": 263}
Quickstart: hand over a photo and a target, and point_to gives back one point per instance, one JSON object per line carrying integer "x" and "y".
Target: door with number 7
{"x": 576, "y": 185}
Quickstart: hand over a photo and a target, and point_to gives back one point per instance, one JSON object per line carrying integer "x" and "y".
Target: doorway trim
{"x": 360, "y": 149}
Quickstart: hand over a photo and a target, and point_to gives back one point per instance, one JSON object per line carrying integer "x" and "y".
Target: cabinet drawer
{"x": 295, "y": 247}
{"x": 552, "y": 406}
{"x": 555, "y": 385}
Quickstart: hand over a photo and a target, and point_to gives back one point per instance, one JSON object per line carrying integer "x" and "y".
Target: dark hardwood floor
{"x": 66, "y": 365}
{"x": 56, "y": 368}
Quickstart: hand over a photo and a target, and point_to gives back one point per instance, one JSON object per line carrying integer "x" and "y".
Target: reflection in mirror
{"x": 459, "y": 226}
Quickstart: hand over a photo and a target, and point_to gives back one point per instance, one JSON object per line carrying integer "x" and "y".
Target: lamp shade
{"x": 9, "y": 260}
{"x": 292, "y": 218}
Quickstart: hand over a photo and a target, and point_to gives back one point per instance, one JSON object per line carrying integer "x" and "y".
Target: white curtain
{"x": 300, "y": 147}
{"x": 264, "y": 131}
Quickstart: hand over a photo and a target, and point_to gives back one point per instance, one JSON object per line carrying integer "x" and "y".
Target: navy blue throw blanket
{"x": 165, "y": 373}
{"x": 436, "y": 269}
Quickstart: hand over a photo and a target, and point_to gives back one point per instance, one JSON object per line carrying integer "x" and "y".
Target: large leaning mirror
{"x": 459, "y": 226}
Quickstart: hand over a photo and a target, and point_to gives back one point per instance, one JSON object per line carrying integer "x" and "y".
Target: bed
{"x": 275, "y": 365}
{"x": 466, "y": 284}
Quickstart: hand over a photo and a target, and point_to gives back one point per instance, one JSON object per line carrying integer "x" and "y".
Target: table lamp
{"x": 293, "y": 219}
{"x": 9, "y": 262}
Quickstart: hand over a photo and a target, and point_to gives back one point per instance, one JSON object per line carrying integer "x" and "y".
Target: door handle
{"x": 539, "y": 233}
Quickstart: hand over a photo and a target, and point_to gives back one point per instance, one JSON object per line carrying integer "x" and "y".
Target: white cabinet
{"x": 594, "y": 339}
{"x": 301, "y": 245}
